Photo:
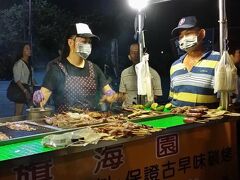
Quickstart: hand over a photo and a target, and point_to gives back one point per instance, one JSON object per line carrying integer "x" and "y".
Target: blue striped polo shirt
{"x": 195, "y": 87}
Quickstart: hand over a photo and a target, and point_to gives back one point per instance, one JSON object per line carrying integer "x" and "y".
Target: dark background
{"x": 114, "y": 19}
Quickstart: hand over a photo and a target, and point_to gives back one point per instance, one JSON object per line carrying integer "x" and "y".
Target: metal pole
{"x": 139, "y": 35}
{"x": 223, "y": 36}
{"x": 222, "y": 26}
{"x": 30, "y": 22}
{"x": 140, "y": 98}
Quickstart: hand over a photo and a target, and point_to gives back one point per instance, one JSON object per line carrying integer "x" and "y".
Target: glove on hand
{"x": 37, "y": 97}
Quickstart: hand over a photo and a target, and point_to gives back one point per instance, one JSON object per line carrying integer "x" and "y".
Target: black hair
{"x": 233, "y": 46}
{"x": 71, "y": 31}
{"x": 20, "y": 48}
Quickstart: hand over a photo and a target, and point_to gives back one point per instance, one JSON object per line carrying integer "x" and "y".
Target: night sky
{"x": 117, "y": 21}
{"x": 160, "y": 19}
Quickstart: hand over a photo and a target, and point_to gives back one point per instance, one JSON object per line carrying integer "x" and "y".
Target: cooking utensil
{"x": 38, "y": 113}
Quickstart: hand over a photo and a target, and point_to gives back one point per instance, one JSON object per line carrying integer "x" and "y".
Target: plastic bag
{"x": 81, "y": 137}
{"x": 144, "y": 83}
{"x": 225, "y": 78}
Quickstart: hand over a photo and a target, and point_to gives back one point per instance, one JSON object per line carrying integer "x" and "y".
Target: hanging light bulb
{"x": 138, "y": 4}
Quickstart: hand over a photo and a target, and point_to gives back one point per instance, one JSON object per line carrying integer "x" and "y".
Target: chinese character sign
{"x": 167, "y": 145}
{"x": 109, "y": 158}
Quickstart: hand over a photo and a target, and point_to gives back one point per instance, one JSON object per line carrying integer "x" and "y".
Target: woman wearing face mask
{"x": 192, "y": 74}
{"x": 74, "y": 81}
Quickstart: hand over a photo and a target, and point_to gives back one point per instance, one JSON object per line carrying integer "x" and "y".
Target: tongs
{"x": 42, "y": 108}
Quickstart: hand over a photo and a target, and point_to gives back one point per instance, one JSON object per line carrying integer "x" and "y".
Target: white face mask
{"x": 187, "y": 43}
{"x": 84, "y": 50}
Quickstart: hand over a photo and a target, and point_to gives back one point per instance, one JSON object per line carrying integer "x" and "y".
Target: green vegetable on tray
{"x": 160, "y": 108}
{"x": 148, "y": 104}
{"x": 138, "y": 106}
{"x": 154, "y": 106}
{"x": 168, "y": 106}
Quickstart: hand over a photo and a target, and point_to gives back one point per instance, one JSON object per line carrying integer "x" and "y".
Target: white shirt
{"x": 128, "y": 85}
{"x": 21, "y": 72}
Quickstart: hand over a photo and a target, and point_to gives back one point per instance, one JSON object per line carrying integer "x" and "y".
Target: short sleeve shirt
{"x": 55, "y": 80}
{"x": 21, "y": 72}
{"x": 128, "y": 85}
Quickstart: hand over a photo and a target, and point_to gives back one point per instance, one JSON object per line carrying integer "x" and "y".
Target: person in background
{"x": 75, "y": 81}
{"x": 22, "y": 74}
{"x": 192, "y": 75}
{"x": 234, "y": 52}
{"x": 128, "y": 82}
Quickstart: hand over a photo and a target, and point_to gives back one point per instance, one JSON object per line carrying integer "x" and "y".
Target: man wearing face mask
{"x": 128, "y": 82}
{"x": 192, "y": 75}
{"x": 74, "y": 81}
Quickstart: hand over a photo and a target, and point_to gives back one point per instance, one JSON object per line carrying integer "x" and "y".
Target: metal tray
{"x": 21, "y": 133}
{"x": 20, "y": 136}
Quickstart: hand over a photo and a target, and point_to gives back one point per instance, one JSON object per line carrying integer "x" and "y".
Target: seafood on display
{"x": 73, "y": 120}
{"x": 19, "y": 126}
{"x": 125, "y": 129}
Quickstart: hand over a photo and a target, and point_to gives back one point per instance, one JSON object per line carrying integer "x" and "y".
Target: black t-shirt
{"x": 55, "y": 80}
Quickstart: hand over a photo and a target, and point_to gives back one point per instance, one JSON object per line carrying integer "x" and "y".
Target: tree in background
{"x": 48, "y": 27}
{"x": 49, "y": 23}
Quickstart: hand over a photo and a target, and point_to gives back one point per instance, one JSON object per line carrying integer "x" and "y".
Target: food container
{"x": 38, "y": 113}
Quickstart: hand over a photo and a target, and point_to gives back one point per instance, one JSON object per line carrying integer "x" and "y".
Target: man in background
{"x": 128, "y": 82}
{"x": 234, "y": 52}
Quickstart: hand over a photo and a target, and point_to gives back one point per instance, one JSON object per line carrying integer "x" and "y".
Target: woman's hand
{"x": 38, "y": 97}
{"x": 113, "y": 98}
{"x": 27, "y": 94}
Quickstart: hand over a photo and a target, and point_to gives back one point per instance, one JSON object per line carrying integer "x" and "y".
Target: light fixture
{"x": 138, "y": 4}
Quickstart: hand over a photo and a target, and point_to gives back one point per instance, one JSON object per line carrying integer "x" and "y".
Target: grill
{"x": 19, "y": 133}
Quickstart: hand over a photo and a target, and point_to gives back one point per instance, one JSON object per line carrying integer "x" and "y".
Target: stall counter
{"x": 181, "y": 151}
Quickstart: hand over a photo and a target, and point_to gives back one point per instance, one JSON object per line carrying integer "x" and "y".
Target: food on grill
{"x": 196, "y": 110}
{"x": 192, "y": 114}
{"x": 19, "y": 126}
{"x": 144, "y": 114}
{"x": 124, "y": 129}
{"x": 72, "y": 120}
{"x": 3, "y": 137}
{"x": 180, "y": 110}
{"x": 138, "y": 113}
{"x": 196, "y": 115}
{"x": 189, "y": 119}
{"x": 215, "y": 113}
{"x": 189, "y": 109}
{"x": 95, "y": 114}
